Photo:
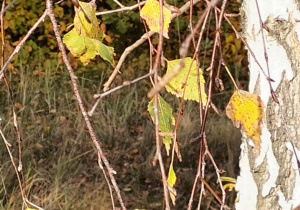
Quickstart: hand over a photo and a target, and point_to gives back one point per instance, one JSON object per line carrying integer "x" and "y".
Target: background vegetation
{"x": 59, "y": 158}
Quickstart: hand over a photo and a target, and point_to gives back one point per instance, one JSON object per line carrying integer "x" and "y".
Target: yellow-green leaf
{"x": 75, "y": 43}
{"x": 177, "y": 84}
{"x": 151, "y": 14}
{"x": 84, "y": 40}
{"x": 166, "y": 119}
{"x": 247, "y": 110}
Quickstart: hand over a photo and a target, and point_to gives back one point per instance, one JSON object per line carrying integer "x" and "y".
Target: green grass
{"x": 59, "y": 159}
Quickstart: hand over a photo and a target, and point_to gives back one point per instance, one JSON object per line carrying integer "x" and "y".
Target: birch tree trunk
{"x": 271, "y": 180}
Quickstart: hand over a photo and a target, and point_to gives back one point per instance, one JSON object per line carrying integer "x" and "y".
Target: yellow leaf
{"x": 176, "y": 85}
{"x": 228, "y": 179}
{"x": 151, "y": 14}
{"x": 230, "y": 186}
{"x": 171, "y": 176}
{"x": 246, "y": 109}
{"x": 83, "y": 15}
{"x": 171, "y": 181}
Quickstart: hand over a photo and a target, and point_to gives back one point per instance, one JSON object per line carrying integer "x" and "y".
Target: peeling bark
{"x": 271, "y": 179}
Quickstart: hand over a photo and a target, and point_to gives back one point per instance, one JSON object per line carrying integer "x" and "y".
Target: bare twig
{"x": 101, "y": 156}
{"x": 222, "y": 202}
{"x": 238, "y": 35}
{"x": 203, "y": 144}
{"x": 118, "y": 3}
{"x": 201, "y": 165}
{"x": 34, "y": 205}
{"x": 11, "y": 97}
{"x": 123, "y": 56}
{"x": 2, "y": 37}
{"x": 122, "y": 9}
{"x": 11, "y": 4}
{"x": 8, "y": 145}
{"x": 266, "y": 54}
{"x": 156, "y": 111}
{"x": 20, "y": 45}
{"x": 109, "y": 187}
{"x": 126, "y": 83}
{"x": 217, "y": 43}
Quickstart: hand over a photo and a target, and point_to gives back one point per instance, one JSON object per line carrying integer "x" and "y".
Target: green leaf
{"x": 105, "y": 52}
{"x": 176, "y": 85}
{"x": 166, "y": 119}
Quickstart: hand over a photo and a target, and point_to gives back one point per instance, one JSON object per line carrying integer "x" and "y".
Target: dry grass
{"x": 59, "y": 159}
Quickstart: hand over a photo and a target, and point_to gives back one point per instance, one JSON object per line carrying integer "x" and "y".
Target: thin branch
{"x": 274, "y": 96}
{"x": 101, "y": 156}
{"x": 12, "y": 103}
{"x": 11, "y": 4}
{"x": 123, "y": 56}
{"x": 109, "y": 187}
{"x": 201, "y": 165}
{"x": 126, "y": 83}
{"x": 156, "y": 111}
{"x": 222, "y": 202}
{"x": 128, "y": 8}
{"x": 118, "y": 3}
{"x": 2, "y": 36}
{"x": 8, "y": 145}
{"x": 238, "y": 35}
{"x": 34, "y": 205}
{"x": 217, "y": 43}
{"x": 20, "y": 45}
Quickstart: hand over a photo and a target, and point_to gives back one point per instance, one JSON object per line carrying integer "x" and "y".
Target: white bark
{"x": 263, "y": 181}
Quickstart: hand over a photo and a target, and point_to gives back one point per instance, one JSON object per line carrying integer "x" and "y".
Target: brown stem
{"x": 12, "y": 103}
{"x": 156, "y": 111}
{"x": 101, "y": 156}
